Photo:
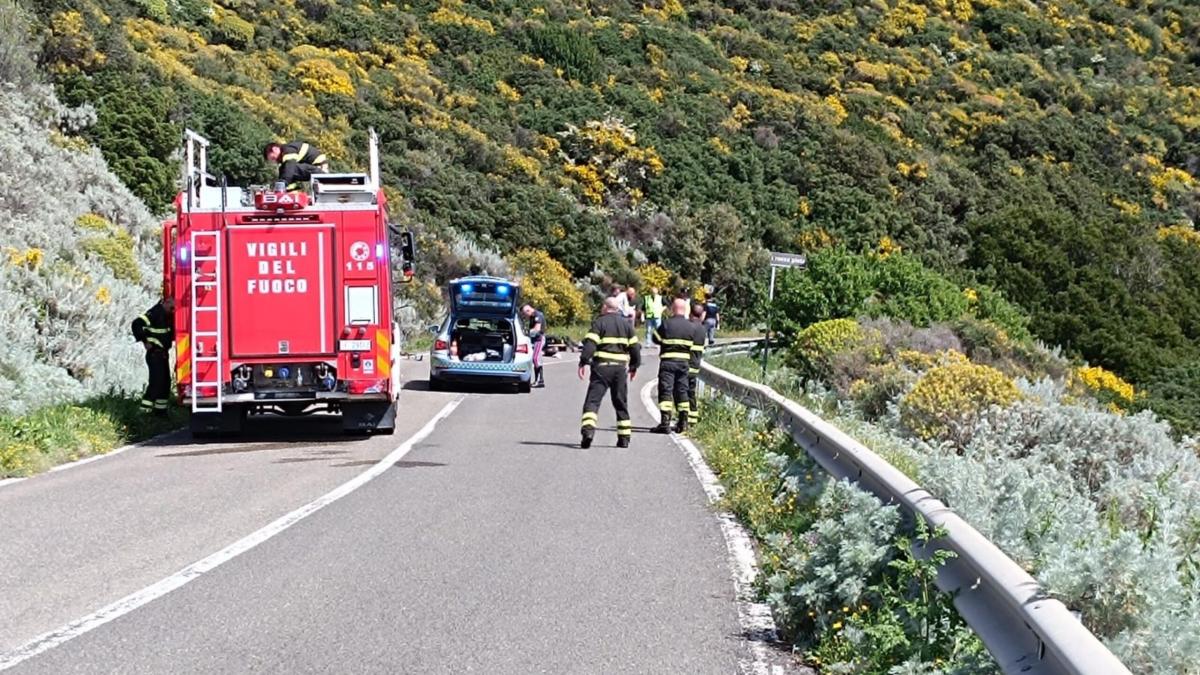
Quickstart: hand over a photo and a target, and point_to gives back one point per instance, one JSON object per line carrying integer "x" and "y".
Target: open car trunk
{"x": 484, "y": 339}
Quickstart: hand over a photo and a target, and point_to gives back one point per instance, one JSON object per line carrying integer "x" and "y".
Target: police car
{"x": 482, "y": 339}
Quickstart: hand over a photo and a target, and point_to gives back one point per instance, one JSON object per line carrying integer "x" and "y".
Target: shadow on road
{"x": 573, "y": 446}
{"x": 262, "y": 433}
{"x": 411, "y": 464}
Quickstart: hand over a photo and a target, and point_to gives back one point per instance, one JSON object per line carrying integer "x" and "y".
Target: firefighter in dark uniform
{"x": 155, "y": 330}
{"x": 700, "y": 337}
{"x": 612, "y": 350}
{"x": 297, "y": 161}
{"x": 675, "y": 337}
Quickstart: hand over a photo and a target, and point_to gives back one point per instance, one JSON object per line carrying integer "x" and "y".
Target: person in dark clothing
{"x": 676, "y": 337}
{"x": 612, "y": 350}
{"x": 155, "y": 330}
{"x": 700, "y": 337}
{"x": 297, "y": 160}
{"x": 712, "y": 318}
{"x": 537, "y": 335}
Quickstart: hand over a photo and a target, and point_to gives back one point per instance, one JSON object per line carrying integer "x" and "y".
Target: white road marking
{"x": 754, "y": 617}
{"x": 89, "y": 460}
{"x": 190, "y": 573}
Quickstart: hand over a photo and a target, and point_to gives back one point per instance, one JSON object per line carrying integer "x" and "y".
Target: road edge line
{"x": 133, "y": 601}
{"x": 754, "y": 617}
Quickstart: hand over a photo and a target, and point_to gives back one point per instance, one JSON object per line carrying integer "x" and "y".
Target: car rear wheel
{"x": 524, "y": 388}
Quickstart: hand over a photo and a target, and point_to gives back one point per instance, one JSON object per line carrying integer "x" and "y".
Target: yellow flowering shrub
{"x": 665, "y": 11}
{"x": 588, "y": 179}
{"x": 547, "y": 285}
{"x": 948, "y": 399}
{"x": 508, "y": 92}
{"x": 1103, "y": 385}
{"x": 70, "y": 46}
{"x": 887, "y": 246}
{"x": 321, "y": 76}
{"x": 518, "y": 162}
{"x": 446, "y": 15}
{"x": 738, "y": 117}
{"x": 654, "y": 275}
{"x": 1184, "y": 233}
{"x": 603, "y": 156}
{"x": 815, "y": 346}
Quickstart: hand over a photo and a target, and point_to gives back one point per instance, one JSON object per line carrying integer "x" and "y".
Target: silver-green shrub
{"x": 64, "y": 308}
{"x": 1104, "y": 509}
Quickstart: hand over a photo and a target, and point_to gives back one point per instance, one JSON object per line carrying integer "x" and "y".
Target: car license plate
{"x": 354, "y": 345}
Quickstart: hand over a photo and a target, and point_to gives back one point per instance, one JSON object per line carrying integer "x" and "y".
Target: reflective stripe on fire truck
{"x": 383, "y": 354}
{"x": 183, "y": 359}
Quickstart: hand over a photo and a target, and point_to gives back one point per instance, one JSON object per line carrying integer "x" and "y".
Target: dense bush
{"x": 813, "y": 349}
{"x": 947, "y": 401}
{"x": 839, "y": 283}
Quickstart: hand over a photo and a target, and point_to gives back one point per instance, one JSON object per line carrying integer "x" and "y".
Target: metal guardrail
{"x": 1025, "y": 631}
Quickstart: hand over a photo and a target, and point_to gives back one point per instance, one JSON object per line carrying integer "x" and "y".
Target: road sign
{"x": 778, "y": 261}
{"x": 788, "y": 260}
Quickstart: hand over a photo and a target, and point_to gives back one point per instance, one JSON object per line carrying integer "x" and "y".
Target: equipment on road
{"x": 482, "y": 338}
{"x": 611, "y": 349}
{"x": 284, "y": 297}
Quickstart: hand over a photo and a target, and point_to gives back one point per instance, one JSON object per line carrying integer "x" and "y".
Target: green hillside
{"x": 1047, "y": 151}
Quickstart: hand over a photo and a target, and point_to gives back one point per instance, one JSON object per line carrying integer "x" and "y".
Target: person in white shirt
{"x": 618, "y": 293}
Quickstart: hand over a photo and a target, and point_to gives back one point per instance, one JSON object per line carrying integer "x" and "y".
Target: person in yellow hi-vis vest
{"x": 156, "y": 331}
{"x": 652, "y": 311}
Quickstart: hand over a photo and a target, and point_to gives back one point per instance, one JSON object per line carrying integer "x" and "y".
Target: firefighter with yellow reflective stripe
{"x": 675, "y": 337}
{"x": 155, "y": 330}
{"x": 700, "y": 338}
{"x": 297, "y": 160}
{"x": 612, "y": 350}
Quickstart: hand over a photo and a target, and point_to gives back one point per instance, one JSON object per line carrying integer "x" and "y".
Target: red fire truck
{"x": 283, "y": 298}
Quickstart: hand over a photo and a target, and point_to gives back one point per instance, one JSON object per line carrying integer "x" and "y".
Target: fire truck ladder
{"x": 211, "y": 304}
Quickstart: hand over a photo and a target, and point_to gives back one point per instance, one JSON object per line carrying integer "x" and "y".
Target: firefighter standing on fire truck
{"x": 676, "y": 337}
{"x": 297, "y": 160}
{"x": 612, "y": 349}
{"x": 156, "y": 332}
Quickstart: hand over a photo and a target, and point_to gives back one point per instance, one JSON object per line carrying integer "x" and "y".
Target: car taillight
{"x": 440, "y": 345}
{"x": 522, "y": 349}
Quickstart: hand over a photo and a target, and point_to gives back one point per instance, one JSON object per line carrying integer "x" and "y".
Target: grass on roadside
{"x": 63, "y": 433}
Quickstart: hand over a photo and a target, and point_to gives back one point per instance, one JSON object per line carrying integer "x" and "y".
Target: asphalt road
{"x": 495, "y": 545}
